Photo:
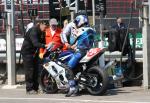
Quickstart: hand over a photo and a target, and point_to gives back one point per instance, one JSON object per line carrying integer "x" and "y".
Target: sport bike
{"x": 87, "y": 73}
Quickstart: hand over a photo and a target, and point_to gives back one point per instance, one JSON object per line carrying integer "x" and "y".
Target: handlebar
{"x": 51, "y": 51}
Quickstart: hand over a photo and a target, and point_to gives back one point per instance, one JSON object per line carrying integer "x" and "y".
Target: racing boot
{"x": 73, "y": 90}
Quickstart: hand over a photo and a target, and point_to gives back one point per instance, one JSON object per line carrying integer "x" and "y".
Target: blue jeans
{"x": 74, "y": 60}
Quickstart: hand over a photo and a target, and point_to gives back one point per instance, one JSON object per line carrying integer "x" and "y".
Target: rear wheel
{"x": 98, "y": 81}
{"x": 47, "y": 82}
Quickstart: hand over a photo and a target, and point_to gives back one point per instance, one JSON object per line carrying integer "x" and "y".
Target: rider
{"x": 79, "y": 43}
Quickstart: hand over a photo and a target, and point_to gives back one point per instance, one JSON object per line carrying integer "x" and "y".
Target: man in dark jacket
{"x": 29, "y": 52}
{"x": 117, "y": 37}
{"x": 119, "y": 24}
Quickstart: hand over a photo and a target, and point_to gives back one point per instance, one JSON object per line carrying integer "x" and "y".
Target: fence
{"x": 41, "y": 5}
{"x": 115, "y": 8}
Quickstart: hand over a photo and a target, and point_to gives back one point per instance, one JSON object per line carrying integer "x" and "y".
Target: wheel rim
{"x": 96, "y": 81}
{"x": 93, "y": 81}
{"x": 48, "y": 82}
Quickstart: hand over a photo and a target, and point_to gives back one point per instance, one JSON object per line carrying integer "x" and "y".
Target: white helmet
{"x": 81, "y": 20}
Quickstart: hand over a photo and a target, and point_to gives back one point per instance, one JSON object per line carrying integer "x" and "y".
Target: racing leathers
{"x": 82, "y": 39}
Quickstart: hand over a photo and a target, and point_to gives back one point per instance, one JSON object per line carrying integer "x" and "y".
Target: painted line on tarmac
{"x": 70, "y": 100}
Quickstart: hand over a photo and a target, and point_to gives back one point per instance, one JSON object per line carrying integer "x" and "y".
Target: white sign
{"x": 19, "y": 42}
{"x": 2, "y": 45}
{"x": 7, "y": 5}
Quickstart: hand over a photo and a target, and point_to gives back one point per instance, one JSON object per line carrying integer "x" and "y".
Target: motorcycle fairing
{"x": 91, "y": 54}
{"x": 65, "y": 56}
{"x": 56, "y": 72}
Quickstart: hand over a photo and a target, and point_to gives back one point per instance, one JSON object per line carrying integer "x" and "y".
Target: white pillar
{"x": 10, "y": 52}
{"x": 76, "y": 6}
{"x": 93, "y": 9}
{"x": 72, "y": 16}
{"x": 146, "y": 49}
{"x": 101, "y": 43}
{"x": 10, "y": 38}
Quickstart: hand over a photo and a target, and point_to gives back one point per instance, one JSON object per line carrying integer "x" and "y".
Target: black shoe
{"x": 32, "y": 92}
{"x": 73, "y": 91}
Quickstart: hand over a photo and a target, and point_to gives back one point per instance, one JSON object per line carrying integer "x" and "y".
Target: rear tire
{"x": 47, "y": 82}
{"x": 100, "y": 82}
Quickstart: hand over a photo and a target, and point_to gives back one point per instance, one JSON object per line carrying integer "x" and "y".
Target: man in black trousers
{"x": 29, "y": 52}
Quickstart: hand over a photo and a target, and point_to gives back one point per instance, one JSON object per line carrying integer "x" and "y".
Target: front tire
{"x": 47, "y": 82}
{"x": 99, "y": 81}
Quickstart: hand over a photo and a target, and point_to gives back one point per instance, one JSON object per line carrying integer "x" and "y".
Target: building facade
{"x": 115, "y": 8}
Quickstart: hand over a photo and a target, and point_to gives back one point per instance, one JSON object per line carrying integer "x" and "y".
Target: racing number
{"x": 93, "y": 52}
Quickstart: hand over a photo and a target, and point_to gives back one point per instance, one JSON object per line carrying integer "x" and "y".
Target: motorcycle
{"x": 87, "y": 73}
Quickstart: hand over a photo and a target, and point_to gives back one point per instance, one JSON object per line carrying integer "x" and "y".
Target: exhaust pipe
{"x": 109, "y": 64}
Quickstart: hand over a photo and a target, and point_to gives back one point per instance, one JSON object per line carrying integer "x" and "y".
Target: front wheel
{"x": 98, "y": 81}
{"x": 47, "y": 82}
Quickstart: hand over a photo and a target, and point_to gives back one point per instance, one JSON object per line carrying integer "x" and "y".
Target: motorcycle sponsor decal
{"x": 90, "y": 54}
{"x": 65, "y": 57}
{"x": 93, "y": 52}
